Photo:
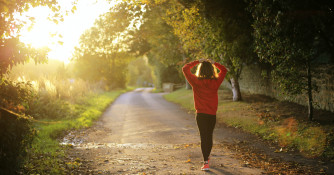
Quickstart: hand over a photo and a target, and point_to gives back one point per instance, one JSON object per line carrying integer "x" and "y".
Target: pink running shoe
{"x": 205, "y": 167}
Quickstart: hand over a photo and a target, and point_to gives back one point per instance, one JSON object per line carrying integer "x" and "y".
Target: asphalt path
{"x": 142, "y": 133}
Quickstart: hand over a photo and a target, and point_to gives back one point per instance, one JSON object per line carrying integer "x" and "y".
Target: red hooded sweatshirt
{"x": 205, "y": 90}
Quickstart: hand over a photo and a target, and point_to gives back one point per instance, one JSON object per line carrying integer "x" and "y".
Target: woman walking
{"x": 205, "y": 84}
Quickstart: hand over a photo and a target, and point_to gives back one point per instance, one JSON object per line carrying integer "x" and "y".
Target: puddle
{"x": 78, "y": 142}
{"x": 122, "y": 145}
{"x": 71, "y": 139}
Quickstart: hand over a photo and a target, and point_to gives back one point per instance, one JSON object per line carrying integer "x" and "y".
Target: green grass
{"x": 310, "y": 139}
{"x": 155, "y": 90}
{"x": 46, "y": 155}
{"x": 182, "y": 97}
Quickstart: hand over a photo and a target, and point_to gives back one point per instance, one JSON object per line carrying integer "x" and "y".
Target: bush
{"x": 41, "y": 103}
{"x": 44, "y": 106}
{"x": 16, "y": 134}
{"x": 14, "y": 95}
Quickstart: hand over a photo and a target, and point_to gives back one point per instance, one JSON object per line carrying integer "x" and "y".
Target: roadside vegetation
{"x": 46, "y": 154}
{"x": 280, "y": 122}
{"x": 47, "y": 103}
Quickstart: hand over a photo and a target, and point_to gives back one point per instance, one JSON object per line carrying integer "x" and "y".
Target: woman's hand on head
{"x": 201, "y": 60}
{"x": 211, "y": 61}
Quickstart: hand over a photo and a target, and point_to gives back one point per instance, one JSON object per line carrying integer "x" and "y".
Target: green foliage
{"x": 156, "y": 40}
{"x": 84, "y": 69}
{"x": 191, "y": 28}
{"x": 171, "y": 74}
{"x": 163, "y": 73}
{"x": 13, "y": 52}
{"x": 102, "y": 53}
{"x": 94, "y": 68}
{"x": 14, "y": 95}
{"x": 16, "y": 134}
{"x": 140, "y": 73}
{"x": 54, "y": 98}
{"x": 33, "y": 94}
{"x": 48, "y": 107}
{"x": 158, "y": 67}
{"x": 220, "y": 30}
{"x": 289, "y": 35}
{"x": 57, "y": 103}
{"x": 44, "y": 91}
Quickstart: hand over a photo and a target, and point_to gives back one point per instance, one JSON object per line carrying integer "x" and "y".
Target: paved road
{"x": 143, "y": 117}
{"x": 143, "y": 133}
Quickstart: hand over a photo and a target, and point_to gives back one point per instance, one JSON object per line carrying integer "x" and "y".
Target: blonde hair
{"x": 206, "y": 70}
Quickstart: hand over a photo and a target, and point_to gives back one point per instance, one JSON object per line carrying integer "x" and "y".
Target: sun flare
{"x": 62, "y": 36}
{"x": 39, "y": 35}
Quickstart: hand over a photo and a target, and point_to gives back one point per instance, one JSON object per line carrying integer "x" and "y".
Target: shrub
{"x": 45, "y": 106}
{"x": 14, "y": 95}
{"x": 16, "y": 135}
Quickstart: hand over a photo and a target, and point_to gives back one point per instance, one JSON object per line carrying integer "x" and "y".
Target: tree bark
{"x": 188, "y": 85}
{"x": 235, "y": 89}
{"x": 309, "y": 90}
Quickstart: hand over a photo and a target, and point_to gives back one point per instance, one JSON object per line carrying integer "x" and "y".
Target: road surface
{"x": 141, "y": 133}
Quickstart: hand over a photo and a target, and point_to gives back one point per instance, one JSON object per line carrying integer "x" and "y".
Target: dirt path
{"x": 141, "y": 133}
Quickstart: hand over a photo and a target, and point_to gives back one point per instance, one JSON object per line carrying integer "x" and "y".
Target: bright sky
{"x": 70, "y": 29}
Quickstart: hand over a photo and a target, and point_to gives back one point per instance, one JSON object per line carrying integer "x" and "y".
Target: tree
{"x": 102, "y": 49}
{"x": 217, "y": 29}
{"x": 140, "y": 73}
{"x": 231, "y": 37}
{"x": 291, "y": 35}
{"x": 11, "y": 50}
{"x": 156, "y": 40}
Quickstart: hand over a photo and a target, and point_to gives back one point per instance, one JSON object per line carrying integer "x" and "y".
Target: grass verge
{"x": 270, "y": 119}
{"x": 46, "y": 155}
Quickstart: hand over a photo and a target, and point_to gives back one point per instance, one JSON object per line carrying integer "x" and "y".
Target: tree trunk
{"x": 235, "y": 89}
{"x": 158, "y": 83}
{"x": 309, "y": 90}
{"x": 188, "y": 85}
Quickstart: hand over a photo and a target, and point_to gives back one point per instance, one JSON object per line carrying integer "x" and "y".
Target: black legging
{"x": 206, "y": 124}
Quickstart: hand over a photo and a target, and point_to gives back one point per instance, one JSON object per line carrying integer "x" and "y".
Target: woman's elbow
{"x": 184, "y": 68}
